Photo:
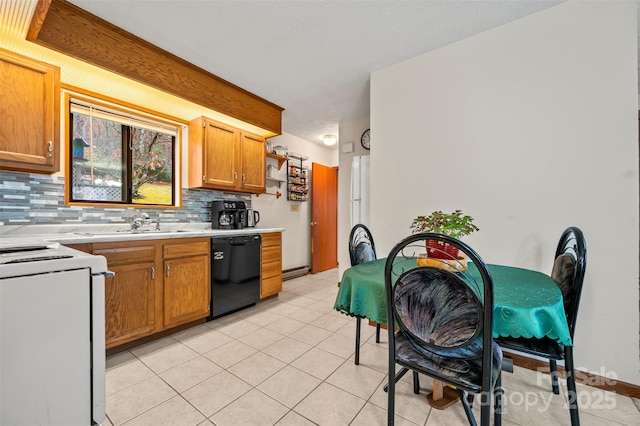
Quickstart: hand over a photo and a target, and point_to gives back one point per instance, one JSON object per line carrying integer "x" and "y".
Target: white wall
{"x": 276, "y": 212}
{"x": 350, "y": 132}
{"x": 529, "y": 127}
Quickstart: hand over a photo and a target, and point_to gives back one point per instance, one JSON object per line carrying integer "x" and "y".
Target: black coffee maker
{"x": 241, "y": 215}
{"x": 228, "y": 214}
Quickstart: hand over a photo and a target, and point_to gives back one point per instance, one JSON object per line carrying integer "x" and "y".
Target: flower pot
{"x": 440, "y": 250}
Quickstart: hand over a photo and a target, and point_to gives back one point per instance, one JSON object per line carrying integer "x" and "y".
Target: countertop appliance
{"x": 228, "y": 214}
{"x": 52, "y": 335}
{"x": 235, "y": 273}
{"x": 252, "y": 217}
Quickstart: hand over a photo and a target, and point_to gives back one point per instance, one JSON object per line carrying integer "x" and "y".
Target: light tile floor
{"x": 289, "y": 361}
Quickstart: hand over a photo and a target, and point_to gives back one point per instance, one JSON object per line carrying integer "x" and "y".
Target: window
{"x": 120, "y": 156}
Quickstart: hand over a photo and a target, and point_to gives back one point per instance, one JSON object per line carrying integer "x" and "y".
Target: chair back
{"x": 361, "y": 246}
{"x": 444, "y": 306}
{"x": 568, "y": 271}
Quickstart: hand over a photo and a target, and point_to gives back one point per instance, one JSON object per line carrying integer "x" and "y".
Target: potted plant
{"x": 455, "y": 224}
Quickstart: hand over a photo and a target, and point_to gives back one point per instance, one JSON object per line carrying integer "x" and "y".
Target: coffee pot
{"x": 253, "y": 217}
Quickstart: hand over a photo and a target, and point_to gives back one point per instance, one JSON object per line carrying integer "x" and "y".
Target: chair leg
{"x": 398, "y": 376}
{"x": 467, "y": 409}
{"x": 416, "y": 383}
{"x": 377, "y": 332}
{"x": 357, "y": 340}
{"x": 553, "y": 367}
{"x": 498, "y": 393}
{"x": 485, "y": 408}
{"x": 571, "y": 386}
{"x": 391, "y": 389}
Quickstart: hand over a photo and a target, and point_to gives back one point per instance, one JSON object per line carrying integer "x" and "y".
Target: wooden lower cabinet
{"x": 129, "y": 303}
{"x": 271, "y": 282}
{"x": 186, "y": 282}
{"x": 159, "y": 284}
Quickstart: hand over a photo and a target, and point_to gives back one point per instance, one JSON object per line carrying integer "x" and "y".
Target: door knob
{"x": 314, "y": 223}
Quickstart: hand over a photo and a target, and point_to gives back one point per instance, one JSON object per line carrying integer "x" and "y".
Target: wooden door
{"x": 324, "y": 217}
{"x": 130, "y": 295}
{"x": 129, "y": 303}
{"x": 220, "y": 161}
{"x": 253, "y": 155}
{"x": 29, "y": 122}
{"x": 186, "y": 289}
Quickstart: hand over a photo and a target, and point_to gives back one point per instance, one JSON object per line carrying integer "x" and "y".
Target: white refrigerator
{"x": 360, "y": 178}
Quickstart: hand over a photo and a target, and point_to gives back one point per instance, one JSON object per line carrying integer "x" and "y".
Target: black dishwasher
{"x": 235, "y": 273}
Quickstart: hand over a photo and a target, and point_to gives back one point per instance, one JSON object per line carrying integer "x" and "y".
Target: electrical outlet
{"x": 295, "y": 207}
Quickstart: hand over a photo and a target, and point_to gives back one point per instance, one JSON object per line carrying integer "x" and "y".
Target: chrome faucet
{"x": 139, "y": 220}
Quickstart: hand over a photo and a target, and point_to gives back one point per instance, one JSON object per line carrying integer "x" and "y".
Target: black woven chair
{"x": 568, "y": 271}
{"x": 444, "y": 318}
{"x": 361, "y": 249}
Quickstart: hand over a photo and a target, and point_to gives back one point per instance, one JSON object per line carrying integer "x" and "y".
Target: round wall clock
{"x": 365, "y": 139}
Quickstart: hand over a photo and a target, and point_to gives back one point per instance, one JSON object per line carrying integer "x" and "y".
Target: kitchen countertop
{"x": 95, "y": 233}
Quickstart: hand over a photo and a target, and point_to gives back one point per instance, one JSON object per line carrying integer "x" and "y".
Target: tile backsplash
{"x": 39, "y": 199}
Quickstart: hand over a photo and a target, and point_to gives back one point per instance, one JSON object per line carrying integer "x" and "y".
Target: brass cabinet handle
{"x": 50, "y": 148}
{"x": 153, "y": 272}
{"x": 168, "y": 269}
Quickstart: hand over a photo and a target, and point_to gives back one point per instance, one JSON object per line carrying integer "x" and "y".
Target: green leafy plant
{"x": 455, "y": 224}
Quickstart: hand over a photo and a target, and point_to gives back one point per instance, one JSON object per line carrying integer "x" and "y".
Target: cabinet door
{"x": 29, "y": 122}
{"x": 186, "y": 289}
{"x": 129, "y": 302}
{"x": 271, "y": 282}
{"x": 253, "y": 155}
{"x": 220, "y": 161}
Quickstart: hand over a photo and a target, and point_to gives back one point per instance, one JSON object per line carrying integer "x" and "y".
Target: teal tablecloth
{"x": 526, "y": 303}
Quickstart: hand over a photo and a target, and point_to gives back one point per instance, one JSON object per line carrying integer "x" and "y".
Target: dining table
{"x": 527, "y": 304}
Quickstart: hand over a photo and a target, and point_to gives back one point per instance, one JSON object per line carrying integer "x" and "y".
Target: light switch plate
{"x": 295, "y": 207}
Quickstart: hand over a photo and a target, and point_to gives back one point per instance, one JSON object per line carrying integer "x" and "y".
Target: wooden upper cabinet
{"x": 29, "y": 114}
{"x": 253, "y": 156}
{"x": 225, "y": 158}
{"x": 219, "y": 160}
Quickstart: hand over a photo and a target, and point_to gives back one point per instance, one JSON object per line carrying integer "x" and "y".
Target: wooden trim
{"x": 582, "y": 377}
{"x": 42, "y": 8}
{"x": 73, "y": 31}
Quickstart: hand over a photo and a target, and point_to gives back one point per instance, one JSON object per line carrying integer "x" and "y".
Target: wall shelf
{"x": 281, "y": 159}
{"x": 276, "y": 181}
{"x": 297, "y": 178}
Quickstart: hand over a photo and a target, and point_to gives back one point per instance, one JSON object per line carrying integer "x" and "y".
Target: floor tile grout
{"x": 318, "y": 291}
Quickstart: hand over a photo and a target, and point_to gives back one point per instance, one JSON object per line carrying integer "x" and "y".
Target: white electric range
{"x": 52, "y": 334}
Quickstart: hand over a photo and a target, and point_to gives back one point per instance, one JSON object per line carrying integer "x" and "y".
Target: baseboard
{"x": 589, "y": 379}
{"x": 289, "y": 274}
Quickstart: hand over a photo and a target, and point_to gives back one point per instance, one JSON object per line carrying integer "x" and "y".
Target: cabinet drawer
{"x": 186, "y": 248}
{"x": 271, "y": 239}
{"x": 125, "y": 253}
{"x": 271, "y": 254}
{"x": 270, "y": 286}
{"x": 270, "y": 269}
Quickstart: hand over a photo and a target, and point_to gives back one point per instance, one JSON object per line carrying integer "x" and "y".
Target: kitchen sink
{"x": 136, "y": 232}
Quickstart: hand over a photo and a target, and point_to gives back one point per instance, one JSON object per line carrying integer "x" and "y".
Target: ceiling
{"x": 311, "y": 57}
